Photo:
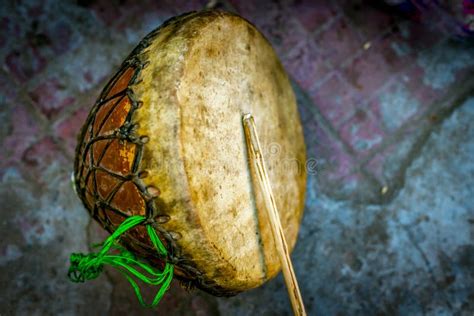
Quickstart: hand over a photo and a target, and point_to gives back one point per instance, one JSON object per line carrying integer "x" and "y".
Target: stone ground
{"x": 387, "y": 106}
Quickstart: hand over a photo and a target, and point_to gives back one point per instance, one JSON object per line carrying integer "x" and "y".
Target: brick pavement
{"x": 372, "y": 89}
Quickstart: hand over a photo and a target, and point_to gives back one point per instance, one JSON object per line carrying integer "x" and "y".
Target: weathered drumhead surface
{"x": 190, "y": 83}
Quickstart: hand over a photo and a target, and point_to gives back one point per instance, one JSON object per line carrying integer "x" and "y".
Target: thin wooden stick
{"x": 255, "y": 156}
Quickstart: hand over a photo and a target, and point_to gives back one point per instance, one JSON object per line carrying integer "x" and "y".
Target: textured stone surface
{"x": 39, "y": 222}
{"x": 384, "y": 101}
{"x": 411, "y": 256}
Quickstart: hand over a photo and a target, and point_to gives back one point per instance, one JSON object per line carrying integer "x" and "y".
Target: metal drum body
{"x": 165, "y": 140}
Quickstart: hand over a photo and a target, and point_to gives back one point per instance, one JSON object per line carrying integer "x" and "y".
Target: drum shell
{"x": 192, "y": 80}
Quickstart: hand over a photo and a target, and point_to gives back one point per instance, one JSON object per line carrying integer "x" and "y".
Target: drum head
{"x": 165, "y": 140}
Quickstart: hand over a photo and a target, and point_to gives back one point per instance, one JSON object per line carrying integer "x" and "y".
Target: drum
{"x": 165, "y": 140}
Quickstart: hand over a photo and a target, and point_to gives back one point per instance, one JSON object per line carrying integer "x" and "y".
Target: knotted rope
{"x": 87, "y": 267}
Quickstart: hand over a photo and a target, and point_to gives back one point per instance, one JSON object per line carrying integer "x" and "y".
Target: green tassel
{"x": 88, "y": 267}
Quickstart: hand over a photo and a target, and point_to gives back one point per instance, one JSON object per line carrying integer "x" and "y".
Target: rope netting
{"x": 108, "y": 180}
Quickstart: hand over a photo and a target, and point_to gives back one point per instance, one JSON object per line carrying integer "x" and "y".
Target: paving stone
{"x": 388, "y": 221}
{"x": 419, "y": 36}
{"x": 8, "y": 89}
{"x": 5, "y": 24}
{"x": 41, "y": 225}
{"x": 334, "y": 159}
{"x": 40, "y": 155}
{"x": 397, "y": 53}
{"x": 24, "y": 63}
{"x": 41, "y": 34}
{"x": 19, "y": 132}
{"x": 306, "y": 64}
{"x": 313, "y": 14}
{"x": 423, "y": 94}
{"x": 362, "y": 132}
{"x": 339, "y": 41}
{"x": 68, "y": 129}
{"x": 395, "y": 106}
{"x": 111, "y": 13}
{"x": 51, "y": 96}
{"x": 442, "y": 63}
{"x": 372, "y": 21}
{"x": 367, "y": 72}
{"x": 336, "y": 99}
{"x": 388, "y": 165}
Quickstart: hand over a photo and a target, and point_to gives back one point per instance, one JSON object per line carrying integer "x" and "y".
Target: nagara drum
{"x": 165, "y": 140}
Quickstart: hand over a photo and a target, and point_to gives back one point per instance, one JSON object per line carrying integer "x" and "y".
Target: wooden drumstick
{"x": 255, "y": 155}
